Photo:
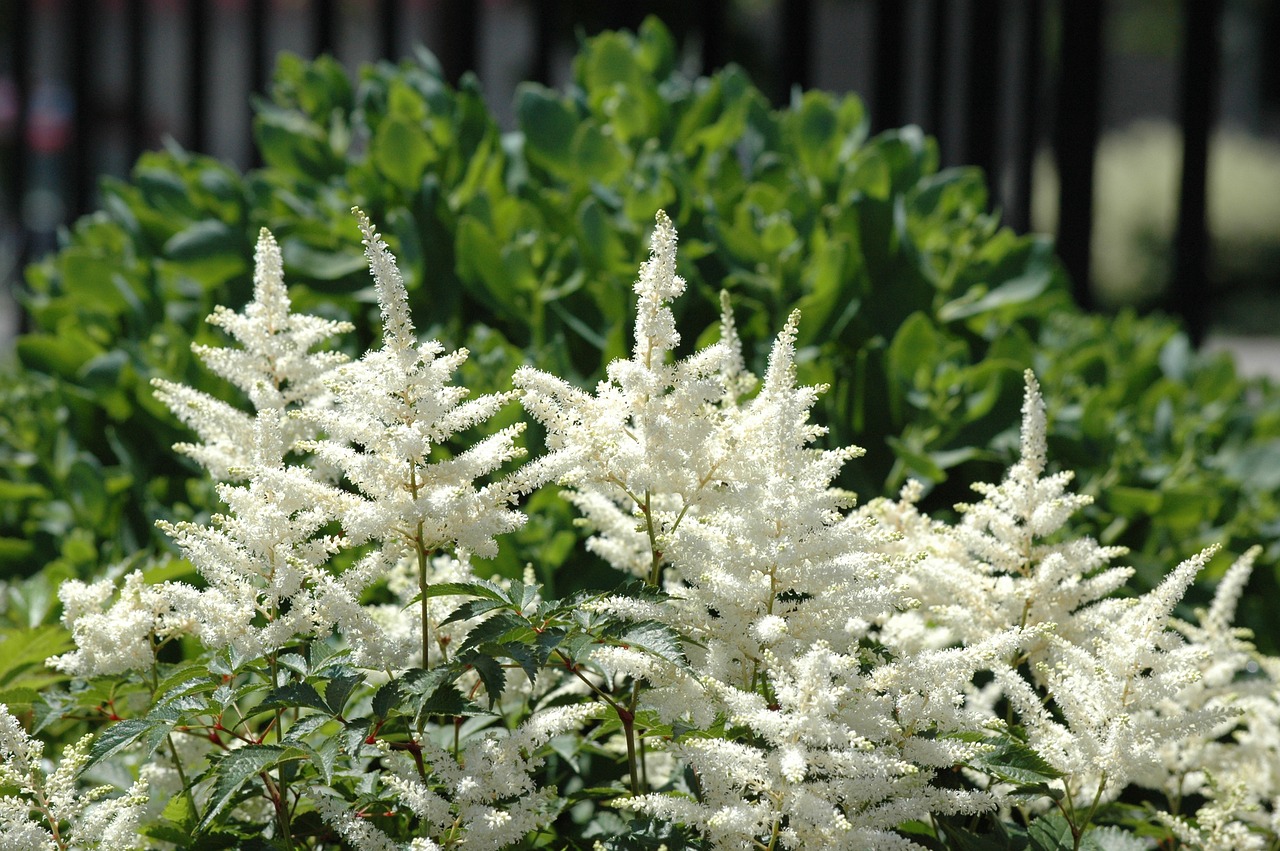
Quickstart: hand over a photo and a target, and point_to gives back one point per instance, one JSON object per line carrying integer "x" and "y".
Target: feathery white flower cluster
{"x": 50, "y": 812}
{"x": 120, "y": 637}
{"x": 275, "y": 368}
{"x": 393, "y": 412}
{"x": 1098, "y": 682}
{"x": 1236, "y": 765}
{"x": 382, "y": 423}
{"x": 775, "y": 583}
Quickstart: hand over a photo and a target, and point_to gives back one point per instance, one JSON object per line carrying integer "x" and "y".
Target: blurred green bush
{"x": 919, "y": 309}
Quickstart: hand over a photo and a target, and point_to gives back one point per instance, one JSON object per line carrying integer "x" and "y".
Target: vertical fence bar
{"x": 135, "y": 22}
{"x": 1076, "y": 138}
{"x": 938, "y": 52}
{"x": 388, "y": 12}
{"x": 890, "y": 64}
{"x": 20, "y": 33}
{"x": 83, "y": 111}
{"x": 197, "y": 73}
{"x": 19, "y": 21}
{"x": 1028, "y": 136}
{"x": 982, "y": 89}
{"x": 460, "y": 20}
{"x": 711, "y": 23}
{"x": 325, "y": 26}
{"x": 259, "y": 66}
{"x": 544, "y": 39}
{"x": 797, "y": 41}
{"x": 259, "y": 62}
{"x": 1201, "y": 54}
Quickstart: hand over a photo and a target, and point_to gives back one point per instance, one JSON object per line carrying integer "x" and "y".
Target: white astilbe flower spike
{"x": 1097, "y": 681}
{"x": 264, "y": 560}
{"x": 1236, "y": 765}
{"x": 1001, "y": 566}
{"x": 393, "y": 412}
{"x": 643, "y": 452}
{"x": 50, "y": 812}
{"x": 657, "y": 286}
{"x": 357, "y": 831}
{"x": 731, "y": 505}
{"x": 274, "y": 366}
{"x": 1011, "y": 575}
{"x": 120, "y": 637}
{"x": 1118, "y": 692}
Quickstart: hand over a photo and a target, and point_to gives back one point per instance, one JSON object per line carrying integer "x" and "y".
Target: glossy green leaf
{"x": 402, "y": 152}
{"x": 548, "y": 125}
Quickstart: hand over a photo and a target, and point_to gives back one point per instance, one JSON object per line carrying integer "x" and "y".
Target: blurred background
{"x": 1145, "y": 134}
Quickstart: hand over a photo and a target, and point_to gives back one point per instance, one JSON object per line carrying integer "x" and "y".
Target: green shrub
{"x": 919, "y": 309}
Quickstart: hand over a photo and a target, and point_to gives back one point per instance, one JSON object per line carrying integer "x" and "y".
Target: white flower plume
{"x": 728, "y": 501}
{"x": 274, "y": 367}
{"x": 49, "y": 803}
{"x": 388, "y": 430}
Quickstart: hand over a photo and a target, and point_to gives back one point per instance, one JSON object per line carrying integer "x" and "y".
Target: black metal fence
{"x": 86, "y": 85}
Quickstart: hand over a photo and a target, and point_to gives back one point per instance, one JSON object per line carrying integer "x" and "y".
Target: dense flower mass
{"x": 349, "y": 662}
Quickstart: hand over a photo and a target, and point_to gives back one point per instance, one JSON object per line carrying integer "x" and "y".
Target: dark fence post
{"x": 1031, "y": 56}
{"x": 1201, "y": 52}
{"x": 1076, "y": 138}
{"x": 83, "y": 109}
{"x": 544, "y": 39}
{"x": 460, "y": 20}
{"x": 388, "y": 12}
{"x": 981, "y": 113}
{"x": 711, "y": 24}
{"x": 890, "y": 64}
{"x": 326, "y": 26}
{"x": 938, "y": 53}
{"x": 797, "y": 46}
{"x": 197, "y": 73}
{"x": 135, "y": 69}
{"x": 20, "y": 33}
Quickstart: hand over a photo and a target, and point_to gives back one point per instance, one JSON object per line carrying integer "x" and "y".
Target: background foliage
{"x": 919, "y": 309}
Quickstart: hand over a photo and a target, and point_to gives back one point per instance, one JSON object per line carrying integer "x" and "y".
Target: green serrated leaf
{"x": 23, "y": 648}
{"x": 524, "y": 597}
{"x": 338, "y": 691}
{"x": 324, "y": 756}
{"x": 386, "y": 698}
{"x": 303, "y": 727}
{"x": 654, "y": 638}
{"x": 447, "y": 701}
{"x": 489, "y": 669}
{"x": 147, "y": 733}
{"x": 498, "y": 628}
{"x": 1013, "y": 761}
{"x": 473, "y": 609}
{"x": 295, "y": 662}
{"x": 15, "y": 698}
{"x": 52, "y": 705}
{"x": 483, "y": 588}
{"x": 355, "y": 735}
{"x": 530, "y": 658}
{"x": 237, "y": 767}
{"x": 1051, "y": 832}
{"x": 293, "y": 695}
{"x": 184, "y": 689}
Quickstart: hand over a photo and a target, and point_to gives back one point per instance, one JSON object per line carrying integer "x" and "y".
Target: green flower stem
{"x": 626, "y": 716}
